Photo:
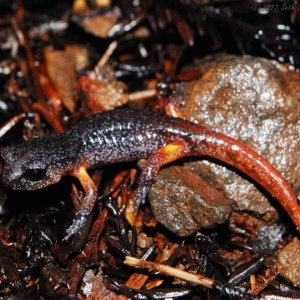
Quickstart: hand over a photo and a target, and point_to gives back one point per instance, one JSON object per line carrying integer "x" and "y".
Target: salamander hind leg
{"x": 164, "y": 155}
{"x": 87, "y": 203}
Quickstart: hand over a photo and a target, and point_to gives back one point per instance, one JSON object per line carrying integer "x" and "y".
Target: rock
{"x": 102, "y": 90}
{"x": 100, "y": 291}
{"x": 257, "y": 102}
{"x": 184, "y": 203}
{"x": 144, "y": 241}
{"x": 88, "y": 279}
{"x": 266, "y": 236}
{"x": 288, "y": 262}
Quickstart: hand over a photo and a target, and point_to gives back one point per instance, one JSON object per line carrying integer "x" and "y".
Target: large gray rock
{"x": 255, "y": 101}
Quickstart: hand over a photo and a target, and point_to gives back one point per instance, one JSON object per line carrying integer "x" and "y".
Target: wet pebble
{"x": 184, "y": 203}
{"x": 288, "y": 262}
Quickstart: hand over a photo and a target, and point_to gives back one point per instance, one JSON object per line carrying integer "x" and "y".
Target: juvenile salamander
{"x": 126, "y": 135}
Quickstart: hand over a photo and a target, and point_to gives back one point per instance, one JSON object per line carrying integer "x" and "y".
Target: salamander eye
{"x": 35, "y": 174}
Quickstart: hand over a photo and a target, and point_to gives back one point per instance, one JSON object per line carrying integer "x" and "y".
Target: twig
{"x": 166, "y": 270}
{"x": 49, "y": 116}
{"x": 37, "y": 89}
{"x": 223, "y": 289}
{"x": 10, "y": 124}
{"x": 107, "y": 54}
{"x": 142, "y": 95}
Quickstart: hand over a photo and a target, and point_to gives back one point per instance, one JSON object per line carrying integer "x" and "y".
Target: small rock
{"x": 268, "y": 238}
{"x": 288, "y": 262}
{"x": 88, "y": 279}
{"x": 102, "y": 90}
{"x": 100, "y": 291}
{"x": 256, "y": 102}
{"x": 144, "y": 241}
{"x": 184, "y": 203}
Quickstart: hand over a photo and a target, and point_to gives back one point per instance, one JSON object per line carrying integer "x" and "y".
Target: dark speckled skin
{"x": 126, "y": 135}
{"x": 105, "y": 138}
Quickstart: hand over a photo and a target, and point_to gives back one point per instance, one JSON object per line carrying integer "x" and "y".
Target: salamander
{"x": 126, "y": 135}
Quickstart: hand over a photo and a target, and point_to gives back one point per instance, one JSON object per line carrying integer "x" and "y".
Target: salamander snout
{"x": 24, "y": 171}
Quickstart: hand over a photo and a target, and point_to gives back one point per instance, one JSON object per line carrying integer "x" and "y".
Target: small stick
{"x": 166, "y": 270}
{"x": 11, "y": 123}
{"x": 20, "y": 28}
{"x": 40, "y": 104}
{"x": 107, "y": 54}
{"x": 223, "y": 289}
{"x": 49, "y": 116}
{"x": 142, "y": 95}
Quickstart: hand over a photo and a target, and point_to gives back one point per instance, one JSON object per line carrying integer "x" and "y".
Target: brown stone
{"x": 255, "y": 101}
{"x": 288, "y": 262}
{"x": 184, "y": 203}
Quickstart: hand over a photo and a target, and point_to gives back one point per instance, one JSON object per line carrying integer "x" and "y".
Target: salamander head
{"x": 30, "y": 166}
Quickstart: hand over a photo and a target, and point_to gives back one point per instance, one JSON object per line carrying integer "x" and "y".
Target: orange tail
{"x": 242, "y": 157}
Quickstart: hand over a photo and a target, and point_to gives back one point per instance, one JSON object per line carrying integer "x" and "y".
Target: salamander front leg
{"x": 87, "y": 203}
{"x": 159, "y": 158}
